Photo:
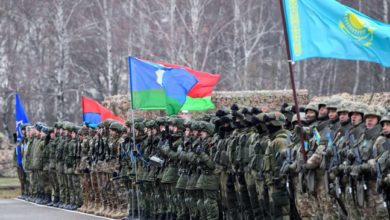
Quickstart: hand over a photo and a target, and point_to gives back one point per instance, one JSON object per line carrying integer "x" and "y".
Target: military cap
{"x": 275, "y": 118}
{"x": 116, "y": 126}
{"x": 312, "y": 106}
{"x": 385, "y": 118}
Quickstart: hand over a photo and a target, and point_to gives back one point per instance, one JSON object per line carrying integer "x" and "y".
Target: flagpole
{"x": 134, "y": 143}
{"x": 291, "y": 69}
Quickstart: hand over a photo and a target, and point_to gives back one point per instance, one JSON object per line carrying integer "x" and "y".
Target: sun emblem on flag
{"x": 160, "y": 76}
{"x": 357, "y": 28}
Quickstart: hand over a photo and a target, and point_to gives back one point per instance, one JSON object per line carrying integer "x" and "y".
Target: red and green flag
{"x": 171, "y": 87}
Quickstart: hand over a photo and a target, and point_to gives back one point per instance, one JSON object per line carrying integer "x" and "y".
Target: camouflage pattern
{"x": 239, "y": 163}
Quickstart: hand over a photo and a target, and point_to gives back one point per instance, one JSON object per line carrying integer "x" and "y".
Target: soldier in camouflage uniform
{"x": 273, "y": 162}
{"x": 117, "y": 196}
{"x": 60, "y": 155}
{"x": 208, "y": 180}
{"x": 83, "y": 168}
{"x": 46, "y": 178}
{"x": 356, "y": 114}
{"x": 183, "y": 206}
{"x": 93, "y": 158}
{"x": 360, "y": 156}
{"x": 73, "y": 181}
{"x": 380, "y": 166}
{"x": 171, "y": 172}
{"x": 37, "y": 165}
{"x": 258, "y": 148}
{"x": 101, "y": 166}
{"x": 52, "y": 166}
{"x": 228, "y": 197}
{"x": 149, "y": 171}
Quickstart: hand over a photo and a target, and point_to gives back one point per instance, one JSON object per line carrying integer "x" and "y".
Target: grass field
{"x": 9, "y": 188}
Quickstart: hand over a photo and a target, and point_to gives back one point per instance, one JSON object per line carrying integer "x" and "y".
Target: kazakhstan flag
{"x": 328, "y": 29}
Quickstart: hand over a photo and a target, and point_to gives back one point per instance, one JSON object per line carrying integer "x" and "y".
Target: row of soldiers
{"x": 329, "y": 160}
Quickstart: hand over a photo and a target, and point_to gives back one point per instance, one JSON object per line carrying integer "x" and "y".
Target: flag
{"x": 21, "y": 119}
{"x": 155, "y": 86}
{"x": 94, "y": 112}
{"x": 328, "y": 29}
{"x": 199, "y": 97}
{"x": 20, "y": 116}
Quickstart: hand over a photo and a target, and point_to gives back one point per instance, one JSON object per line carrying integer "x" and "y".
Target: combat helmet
{"x": 358, "y": 107}
{"x": 312, "y": 106}
{"x": 275, "y": 118}
{"x": 385, "y": 118}
{"x": 377, "y": 111}
{"x": 207, "y": 127}
{"x": 116, "y": 126}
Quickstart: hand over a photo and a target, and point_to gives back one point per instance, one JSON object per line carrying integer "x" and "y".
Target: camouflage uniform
{"x": 60, "y": 156}
{"x": 208, "y": 180}
{"x": 171, "y": 171}
{"x": 73, "y": 181}
{"x": 83, "y": 169}
{"x": 354, "y": 133}
{"x": 273, "y": 161}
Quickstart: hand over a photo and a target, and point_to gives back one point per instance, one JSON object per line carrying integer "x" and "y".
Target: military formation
{"x": 329, "y": 160}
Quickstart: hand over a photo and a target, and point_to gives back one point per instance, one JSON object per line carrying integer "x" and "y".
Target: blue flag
{"x": 328, "y": 29}
{"x": 21, "y": 118}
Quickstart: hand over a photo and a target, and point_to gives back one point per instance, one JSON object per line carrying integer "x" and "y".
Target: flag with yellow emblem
{"x": 329, "y": 29}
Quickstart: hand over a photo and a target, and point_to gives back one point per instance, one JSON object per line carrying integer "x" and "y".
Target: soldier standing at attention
{"x": 273, "y": 161}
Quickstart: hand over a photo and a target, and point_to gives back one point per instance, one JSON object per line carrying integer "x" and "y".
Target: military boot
{"x": 83, "y": 208}
{"x": 93, "y": 205}
{"x": 110, "y": 209}
{"x": 93, "y": 209}
{"x": 103, "y": 209}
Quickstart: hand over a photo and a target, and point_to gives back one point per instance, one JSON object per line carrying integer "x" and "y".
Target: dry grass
{"x": 9, "y": 193}
{"x": 9, "y": 188}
